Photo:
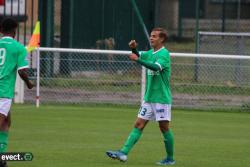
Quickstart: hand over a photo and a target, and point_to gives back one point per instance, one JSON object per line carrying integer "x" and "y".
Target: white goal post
{"x": 239, "y": 34}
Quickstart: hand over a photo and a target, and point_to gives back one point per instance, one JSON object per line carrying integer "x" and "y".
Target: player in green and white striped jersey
{"x": 12, "y": 60}
{"x": 157, "y": 98}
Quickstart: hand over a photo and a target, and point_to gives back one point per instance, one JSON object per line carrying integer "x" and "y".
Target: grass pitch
{"x": 75, "y": 136}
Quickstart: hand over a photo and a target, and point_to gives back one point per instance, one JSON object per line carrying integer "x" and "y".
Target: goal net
{"x": 223, "y": 43}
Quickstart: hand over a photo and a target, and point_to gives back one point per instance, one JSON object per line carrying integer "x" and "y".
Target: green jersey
{"x": 12, "y": 58}
{"x": 158, "y": 82}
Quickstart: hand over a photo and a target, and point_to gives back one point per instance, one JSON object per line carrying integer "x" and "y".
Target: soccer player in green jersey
{"x": 12, "y": 60}
{"x": 157, "y": 98}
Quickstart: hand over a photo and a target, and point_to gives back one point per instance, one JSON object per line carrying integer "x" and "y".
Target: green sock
{"x": 132, "y": 139}
{"x": 3, "y": 141}
{"x": 169, "y": 144}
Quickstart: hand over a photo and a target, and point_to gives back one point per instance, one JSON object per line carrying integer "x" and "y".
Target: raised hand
{"x": 132, "y": 44}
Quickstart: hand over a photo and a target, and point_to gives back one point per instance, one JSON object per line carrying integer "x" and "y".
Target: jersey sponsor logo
{"x": 2, "y": 56}
{"x": 150, "y": 72}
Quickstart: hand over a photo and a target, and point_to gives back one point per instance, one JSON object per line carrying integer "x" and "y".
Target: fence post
{"x": 46, "y": 17}
{"x": 197, "y": 27}
{"x": 38, "y": 79}
{"x": 180, "y": 29}
{"x": 223, "y": 16}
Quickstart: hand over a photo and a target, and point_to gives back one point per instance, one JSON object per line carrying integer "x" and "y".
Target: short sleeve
{"x": 163, "y": 60}
{"x": 22, "y": 58}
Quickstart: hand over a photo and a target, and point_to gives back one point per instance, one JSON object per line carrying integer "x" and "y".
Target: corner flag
{"x": 35, "y": 38}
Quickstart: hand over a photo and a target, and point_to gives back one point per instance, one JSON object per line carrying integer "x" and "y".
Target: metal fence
{"x": 213, "y": 15}
{"x": 25, "y": 12}
{"x": 212, "y": 82}
{"x": 224, "y": 43}
{"x": 78, "y": 76}
{"x": 115, "y": 22}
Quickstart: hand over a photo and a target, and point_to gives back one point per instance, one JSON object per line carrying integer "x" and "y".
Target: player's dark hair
{"x": 8, "y": 25}
{"x": 163, "y": 33}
